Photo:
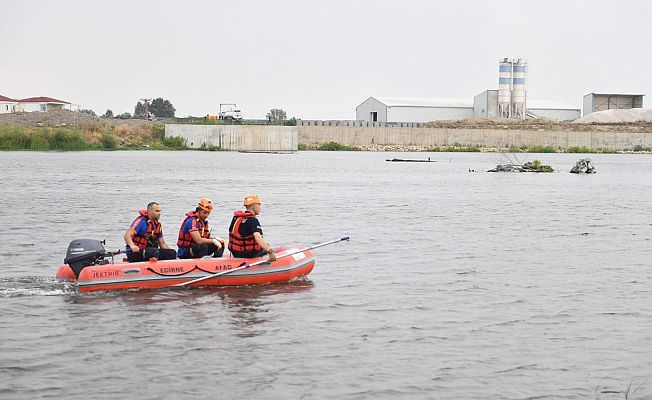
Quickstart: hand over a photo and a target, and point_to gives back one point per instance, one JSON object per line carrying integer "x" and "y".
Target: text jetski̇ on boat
{"x": 95, "y": 269}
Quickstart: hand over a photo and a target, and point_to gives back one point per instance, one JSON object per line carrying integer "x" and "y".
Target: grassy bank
{"x": 121, "y": 137}
{"x": 328, "y": 146}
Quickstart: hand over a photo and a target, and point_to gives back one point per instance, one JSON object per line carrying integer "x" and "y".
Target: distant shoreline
{"x": 64, "y": 130}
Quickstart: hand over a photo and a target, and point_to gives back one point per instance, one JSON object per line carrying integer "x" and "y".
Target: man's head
{"x": 252, "y": 203}
{"x": 204, "y": 208}
{"x": 154, "y": 211}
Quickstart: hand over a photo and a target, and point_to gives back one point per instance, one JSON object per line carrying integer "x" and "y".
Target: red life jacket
{"x": 185, "y": 240}
{"x": 237, "y": 242}
{"x": 150, "y": 238}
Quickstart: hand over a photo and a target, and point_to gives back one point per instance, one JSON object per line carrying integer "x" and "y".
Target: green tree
{"x": 124, "y": 115}
{"x": 139, "y": 111}
{"x": 276, "y": 114}
{"x": 87, "y": 111}
{"x": 161, "y": 108}
{"x": 108, "y": 114}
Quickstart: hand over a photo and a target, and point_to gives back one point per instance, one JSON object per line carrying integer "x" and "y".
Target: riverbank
{"x": 62, "y": 130}
{"x": 458, "y": 148}
{"x": 600, "y": 139}
{"x": 77, "y": 139}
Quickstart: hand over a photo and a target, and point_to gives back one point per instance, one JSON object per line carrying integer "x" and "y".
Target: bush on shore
{"x": 334, "y": 146}
{"x": 109, "y": 141}
{"x": 74, "y": 139}
{"x": 61, "y": 139}
{"x": 456, "y": 148}
{"x": 536, "y": 148}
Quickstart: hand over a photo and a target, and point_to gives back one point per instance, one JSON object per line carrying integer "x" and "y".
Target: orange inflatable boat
{"x": 94, "y": 269}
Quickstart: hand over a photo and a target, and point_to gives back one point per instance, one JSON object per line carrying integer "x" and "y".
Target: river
{"x": 455, "y": 284}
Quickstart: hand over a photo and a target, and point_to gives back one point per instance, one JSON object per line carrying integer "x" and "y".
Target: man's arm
{"x": 199, "y": 240}
{"x": 129, "y": 239}
{"x": 265, "y": 246}
{"x": 162, "y": 244}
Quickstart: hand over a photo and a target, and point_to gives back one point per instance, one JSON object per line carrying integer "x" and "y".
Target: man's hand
{"x": 272, "y": 256}
{"x": 135, "y": 249}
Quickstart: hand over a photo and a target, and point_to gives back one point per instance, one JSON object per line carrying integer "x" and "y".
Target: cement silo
{"x": 519, "y": 90}
{"x": 512, "y": 89}
{"x": 504, "y": 88}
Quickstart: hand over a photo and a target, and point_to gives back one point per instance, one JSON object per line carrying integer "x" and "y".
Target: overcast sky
{"x": 317, "y": 60}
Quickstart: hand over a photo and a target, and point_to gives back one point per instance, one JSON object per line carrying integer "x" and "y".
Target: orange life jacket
{"x": 237, "y": 242}
{"x": 185, "y": 240}
{"x": 150, "y": 238}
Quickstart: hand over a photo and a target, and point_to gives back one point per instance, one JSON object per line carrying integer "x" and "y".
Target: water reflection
{"x": 244, "y": 307}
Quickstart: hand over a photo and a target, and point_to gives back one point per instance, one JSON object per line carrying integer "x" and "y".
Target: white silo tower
{"x": 504, "y": 87}
{"x": 519, "y": 88}
{"x": 512, "y": 89}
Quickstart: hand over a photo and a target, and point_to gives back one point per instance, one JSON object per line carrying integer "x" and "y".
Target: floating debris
{"x": 534, "y": 166}
{"x": 408, "y": 160}
{"x": 583, "y": 166}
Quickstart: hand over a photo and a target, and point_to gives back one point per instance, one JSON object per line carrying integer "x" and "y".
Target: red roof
{"x": 3, "y": 98}
{"x": 42, "y": 100}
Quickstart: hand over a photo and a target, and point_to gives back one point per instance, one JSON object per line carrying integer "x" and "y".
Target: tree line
{"x": 162, "y": 108}
{"x": 157, "y": 108}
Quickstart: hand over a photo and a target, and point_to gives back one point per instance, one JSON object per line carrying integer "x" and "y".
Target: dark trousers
{"x": 204, "y": 249}
{"x": 248, "y": 254}
{"x": 151, "y": 252}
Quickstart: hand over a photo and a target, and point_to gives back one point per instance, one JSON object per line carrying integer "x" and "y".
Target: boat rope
{"x": 182, "y": 273}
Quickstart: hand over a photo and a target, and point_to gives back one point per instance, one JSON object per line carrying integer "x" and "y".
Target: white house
{"x": 8, "y": 105}
{"x": 42, "y": 104}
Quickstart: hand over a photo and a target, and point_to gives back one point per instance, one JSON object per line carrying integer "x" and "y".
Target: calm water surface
{"x": 455, "y": 284}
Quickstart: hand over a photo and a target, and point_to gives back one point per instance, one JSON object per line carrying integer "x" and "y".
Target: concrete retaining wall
{"x": 237, "y": 137}
{"x": 360, "y": 136}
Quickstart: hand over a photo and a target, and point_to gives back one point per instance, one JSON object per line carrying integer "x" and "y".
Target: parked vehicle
{"x": 229, "y": 111}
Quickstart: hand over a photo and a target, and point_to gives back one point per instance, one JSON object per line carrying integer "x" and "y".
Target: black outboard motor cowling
{"x": 82, "y": 253}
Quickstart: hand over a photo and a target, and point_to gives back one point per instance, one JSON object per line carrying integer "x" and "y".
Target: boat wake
{"x": 34, "y": 286}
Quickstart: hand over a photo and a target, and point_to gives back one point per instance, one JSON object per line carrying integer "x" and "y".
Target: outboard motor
{"x": 84, "y": 252}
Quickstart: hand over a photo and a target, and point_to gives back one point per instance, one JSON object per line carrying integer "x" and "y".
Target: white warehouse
{"x": 409, "y": 109}
{"x": 484, "y": 105}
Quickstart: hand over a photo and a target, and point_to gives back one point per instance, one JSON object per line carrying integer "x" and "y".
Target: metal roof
{"x": 424, "y": 102}
{"x": 614, "y": 94}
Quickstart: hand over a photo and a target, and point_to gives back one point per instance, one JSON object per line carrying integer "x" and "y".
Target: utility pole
{"x": 146, "y": 105}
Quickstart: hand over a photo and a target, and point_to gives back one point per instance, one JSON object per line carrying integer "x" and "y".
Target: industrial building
{"x": 486, "y": 105}
{"x": 408, "y": 109}
{"x": 607, "y": 101}
{"x": 509, "y": 101}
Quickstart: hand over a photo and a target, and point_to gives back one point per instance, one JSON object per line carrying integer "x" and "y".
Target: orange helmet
{"x": 251, "y": 199}
{"x": 205, "y": 204}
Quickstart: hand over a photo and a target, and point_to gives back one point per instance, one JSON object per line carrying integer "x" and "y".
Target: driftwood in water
{"x": 407, "y": 160}
{"x": 583, "y": 166}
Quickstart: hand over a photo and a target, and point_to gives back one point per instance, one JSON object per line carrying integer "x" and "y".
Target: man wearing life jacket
{"x": 194, "y": 236}
{"x": 246, "y": 235}
{"x": 144, "y": 238}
